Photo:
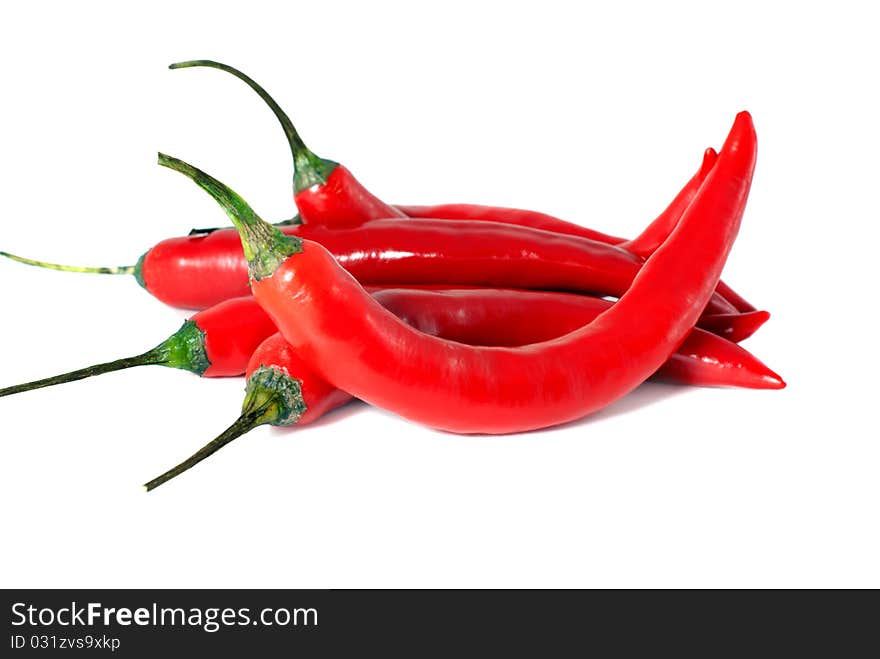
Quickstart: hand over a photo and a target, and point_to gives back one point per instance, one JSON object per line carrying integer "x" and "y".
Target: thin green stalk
{"x": 112, "y": 270}
{"x": 185, "y": 349}
{"x": 150, "y": 357}
{"x": 309, "y": 169}
{"x": 272, "y": 398}
{"x": 244, "y": 424}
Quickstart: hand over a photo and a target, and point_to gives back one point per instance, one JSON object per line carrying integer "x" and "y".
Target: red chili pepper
{"x": 327, "y": 193}
{"x": 216, "y": 342}
{"x": 354, "y": 343}
{"x": 504, "y": 317}
{"x": 324, "y": 191}
{"x": 282, "y": 390}
{"x": 200, "y": 271}
{"x": 411, "y": 252}
{"x": 656, "y": 233}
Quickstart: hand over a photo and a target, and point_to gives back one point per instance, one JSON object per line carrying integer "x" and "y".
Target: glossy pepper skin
{"x": 341, "y": 200}
{"x": 354, "y": 343}
{"x": 199, "y": 271}
{"x": 498, "y": 317}
{"x": 233, "y": 329}
{"x": 501, "y": 317}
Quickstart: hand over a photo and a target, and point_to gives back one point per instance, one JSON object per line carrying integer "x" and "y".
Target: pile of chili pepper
{"x": 464, "y": 318}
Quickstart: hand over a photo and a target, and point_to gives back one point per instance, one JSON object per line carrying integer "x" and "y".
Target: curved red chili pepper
{"x": 324, "y": 191}
{"x": 353, "y": 342}
{"x": 277, "y": 376}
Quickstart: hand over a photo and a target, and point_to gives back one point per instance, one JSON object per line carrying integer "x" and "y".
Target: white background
{"x": 594, "y": 115}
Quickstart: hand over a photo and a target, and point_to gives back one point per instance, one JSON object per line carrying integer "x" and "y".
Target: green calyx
{"x": 265, "y": 247}
{"x": 309, "y": 169}
{"x": 272, "y": 398}
{"x": 185, "y": 349}
{"x": 277, "y": 395}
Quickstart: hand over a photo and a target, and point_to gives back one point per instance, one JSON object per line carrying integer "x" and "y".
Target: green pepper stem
{"x": 185, "y": 349}
{"x": 265, "y": 247}
{"x": 293, "y": 138}
{"x": 309, "y": 169}
{"x": 150, "y": 357}
{"x": 115, "y": 270}
{"x": 272, "y": 398}
{"x": 244, "y": 424}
